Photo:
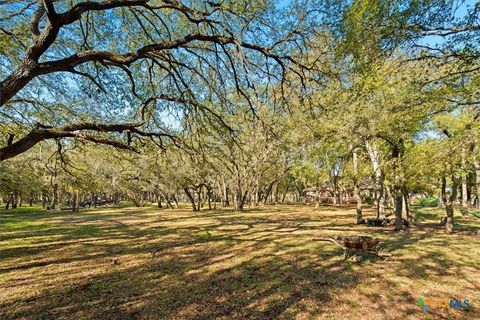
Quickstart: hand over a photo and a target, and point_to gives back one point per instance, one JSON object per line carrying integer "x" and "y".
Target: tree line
{"x": 237, "y": 103}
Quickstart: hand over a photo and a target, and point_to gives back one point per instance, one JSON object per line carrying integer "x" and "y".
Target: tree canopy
{"x": 241, "y": 102}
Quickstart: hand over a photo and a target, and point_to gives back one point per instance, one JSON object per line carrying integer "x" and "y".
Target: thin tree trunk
{"x": 199, "y": 194}
{"x": 464, "y": 182}
{"x": 256, "y": 192}
{"x": 372, "y": 151}
{"x": 477, "y": 181}
{"x": 406, "y": 203}
{"x": 159, "y": 202}
{"x": 209, "y": 196}
{"x": 175, "y": 199}
{"x": 356, "y": 189}
{"x": 225, "y": 194}
{"x": 285, "y": 194}
{"x": 9, "y": 201}
{"x": 398, "y": 208}
{"x": 268, "y": 192}
{"x": 75, "y": 202}
{"x": 44, "y": 201}
{"x": 191, "y": 198}
{"x": 53, "y": 204}
{"x": 398, "y": 184}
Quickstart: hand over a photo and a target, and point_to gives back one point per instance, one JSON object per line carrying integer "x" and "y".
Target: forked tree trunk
{"x": 240, "y": 200}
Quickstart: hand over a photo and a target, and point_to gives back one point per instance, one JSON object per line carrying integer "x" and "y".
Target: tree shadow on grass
{"x": 212, "y": 266}
{"x": 266, "y": 287}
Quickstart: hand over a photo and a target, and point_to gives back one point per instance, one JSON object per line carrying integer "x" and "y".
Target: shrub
{"x": 427, "y": 202}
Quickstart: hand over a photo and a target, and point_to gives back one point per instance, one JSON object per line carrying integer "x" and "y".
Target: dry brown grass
{"x": 265, "y": 263}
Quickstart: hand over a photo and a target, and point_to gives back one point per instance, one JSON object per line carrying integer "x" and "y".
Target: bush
{"x": 427, "y": 202}
{"x": 368, "y": 199}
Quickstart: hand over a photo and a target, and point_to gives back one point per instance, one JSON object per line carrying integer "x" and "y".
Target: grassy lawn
{"x": 265, "y": 263}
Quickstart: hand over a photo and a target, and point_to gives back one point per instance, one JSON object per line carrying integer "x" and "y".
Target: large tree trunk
{"x": 240, "y": 200}
{"x": 398, "y": 208}
{"x": 356, "y": 189}
{"x": 372, "y": 151}
{"x": 448, "y": 202}
{"x": 53, "y": 204}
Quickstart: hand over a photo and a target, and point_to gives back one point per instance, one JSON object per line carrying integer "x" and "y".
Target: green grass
{"x": 427, "y": 202}
{"x": 24, "y": 209}
{"x": 265, "y": 263}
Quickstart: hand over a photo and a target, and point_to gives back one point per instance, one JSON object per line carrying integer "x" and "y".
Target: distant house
{"x": 326, "y": 194}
